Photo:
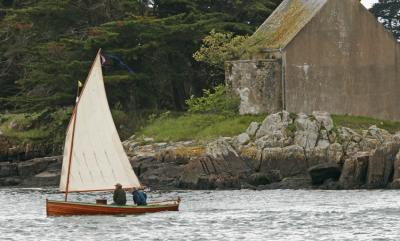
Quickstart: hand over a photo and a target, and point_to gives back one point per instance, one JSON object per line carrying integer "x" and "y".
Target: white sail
{"x": 98, "y": 159}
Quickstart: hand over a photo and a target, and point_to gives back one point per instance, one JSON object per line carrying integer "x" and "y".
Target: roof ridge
{"x": 285, "y": 23}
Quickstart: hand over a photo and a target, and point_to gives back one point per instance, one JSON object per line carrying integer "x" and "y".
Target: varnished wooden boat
{"x": 60, "y": 208}
{"x": 94, "y": 158}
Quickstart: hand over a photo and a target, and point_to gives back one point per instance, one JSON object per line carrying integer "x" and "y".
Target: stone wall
{"x": 344, "y": 62}
{"x": 257, "y": 82}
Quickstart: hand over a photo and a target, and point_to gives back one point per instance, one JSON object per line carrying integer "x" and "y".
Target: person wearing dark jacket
{"x": 139, "y": 197}
{"x": 119, "y": 196}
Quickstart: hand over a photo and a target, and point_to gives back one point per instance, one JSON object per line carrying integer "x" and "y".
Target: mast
{"x": 73, "y": 129}
{"x": 70, "y": 152}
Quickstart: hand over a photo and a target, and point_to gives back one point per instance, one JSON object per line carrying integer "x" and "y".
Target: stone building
{"x": 328, "y": 55}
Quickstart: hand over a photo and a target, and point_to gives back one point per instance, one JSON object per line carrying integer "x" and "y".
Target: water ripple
{"x": 213, "y": 215}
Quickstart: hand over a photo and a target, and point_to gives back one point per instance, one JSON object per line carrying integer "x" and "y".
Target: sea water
{"x": 212, "y": 215}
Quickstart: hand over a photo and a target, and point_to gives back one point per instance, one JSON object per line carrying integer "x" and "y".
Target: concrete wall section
{"x": 344, "y": 62}
{"x": 257, "y": 82}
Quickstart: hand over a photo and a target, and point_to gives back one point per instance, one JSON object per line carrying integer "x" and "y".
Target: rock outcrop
{"x": 284, "y": 151}
{"x": 381, "y": 165}
{"x": 354, "y": 172}
{"x": 32, "y": 173}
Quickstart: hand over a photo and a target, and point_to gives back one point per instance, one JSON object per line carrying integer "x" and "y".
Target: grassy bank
{"x": 203, "y": 127}
{"x": 359, "y": 123}
{"x": 197, "y": 127}
{"x": 37, "y": 127}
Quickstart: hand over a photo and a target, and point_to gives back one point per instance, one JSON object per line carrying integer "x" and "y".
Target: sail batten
{"x": 98, "y": 159}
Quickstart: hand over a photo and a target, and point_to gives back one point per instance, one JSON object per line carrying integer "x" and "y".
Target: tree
{"x": 388, "y": 13}
{"x": 48, "y": 45}
{"x": 218, "y": 48}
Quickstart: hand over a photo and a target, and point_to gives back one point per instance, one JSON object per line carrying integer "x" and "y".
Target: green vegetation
{"x": 218, "y": 48}
{"x": 217, "y": 101}
{"x": 359, "y": 123}
{"x": 200, "y": 127}
{"x": 388, "y": 13}
{"x": 204, "y": 127}
{"x": 47, "y": 46}
{"x": 46, "y": 126}
{"x": 160, "y": 55}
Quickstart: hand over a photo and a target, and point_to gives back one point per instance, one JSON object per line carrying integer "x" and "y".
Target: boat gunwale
{"x": 115, "y": 206}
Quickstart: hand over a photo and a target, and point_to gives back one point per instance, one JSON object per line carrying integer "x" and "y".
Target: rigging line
{"x": 120, "y": 62}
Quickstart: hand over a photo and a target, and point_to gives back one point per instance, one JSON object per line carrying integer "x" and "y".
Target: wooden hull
{"x": 59, "y": 208}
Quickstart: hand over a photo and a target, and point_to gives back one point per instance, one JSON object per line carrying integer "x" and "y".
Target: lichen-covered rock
{"x": 323, "y": 144}
{"x": 335, "y": 153}
{"x": 324, "y": 120}
{"x": 321, "y": 172}
{"x": 316, "y": 156}
{"x": 252, "y": 129}
{"x": 179, "y": 155}
{"x": 307, "y": 132}
{"x": 275, "y": 123}
{"x": 240, "y": 140}
{"x": 378, "y": 134}
{"x": 220, "y": 149}
{"x": 396, "y": 137}
{"x": 380, "y": 165}
{"x": 273, "y": 140}
{"x": 219, "y": 167}
{"x": 290, "y": 161}
{"x": 374, "y": 137}
{"x": 354, "y": 172}
{"x": 396, "y": 167}
{"x": 346, "y": 135}
{"x": 252, "y": 156}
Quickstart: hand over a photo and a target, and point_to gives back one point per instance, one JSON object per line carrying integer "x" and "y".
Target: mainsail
{"x": 98, "y": 159}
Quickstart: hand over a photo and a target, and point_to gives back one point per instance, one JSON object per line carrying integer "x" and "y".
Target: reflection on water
{"x": 213, "y": 215}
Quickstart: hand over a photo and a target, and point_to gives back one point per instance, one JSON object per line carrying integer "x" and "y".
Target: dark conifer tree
{"x": 388, "y": 13}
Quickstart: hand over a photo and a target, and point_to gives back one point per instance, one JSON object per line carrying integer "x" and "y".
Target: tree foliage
{"x": 388, "y": 13}
{"x": 216, "y": 101}
{"x": 218, "y": 48}
{"x": 48, "y": 45}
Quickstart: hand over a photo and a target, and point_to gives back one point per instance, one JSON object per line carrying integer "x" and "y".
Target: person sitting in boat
{"x": 139, "y": 197}
{"x": 119, "y": 196}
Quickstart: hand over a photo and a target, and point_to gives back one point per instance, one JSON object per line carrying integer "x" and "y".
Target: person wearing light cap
{"x": 119, "y": 196}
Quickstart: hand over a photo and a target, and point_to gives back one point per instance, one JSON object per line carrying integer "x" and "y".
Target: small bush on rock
{"x": 217, "y": 101}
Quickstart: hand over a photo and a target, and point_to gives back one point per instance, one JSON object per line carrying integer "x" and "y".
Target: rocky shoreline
{"x": 285, "y": 151}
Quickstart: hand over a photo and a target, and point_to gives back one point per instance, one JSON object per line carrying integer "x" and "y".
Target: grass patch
{"x": 204, "y": 127}
{"x": 25, "y": 121}
{"x": 29, "y": 135}
{"x": 359, "y": 123}
{"x": 197, "y": 127}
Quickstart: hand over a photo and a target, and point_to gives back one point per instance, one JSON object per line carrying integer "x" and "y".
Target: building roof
{"x": 285, "y": 23}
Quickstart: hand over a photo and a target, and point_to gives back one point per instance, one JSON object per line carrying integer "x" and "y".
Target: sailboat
{"x": 94, "y": 159}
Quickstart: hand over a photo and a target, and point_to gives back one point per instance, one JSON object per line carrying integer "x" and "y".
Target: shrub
{"x": 217, "y": 101}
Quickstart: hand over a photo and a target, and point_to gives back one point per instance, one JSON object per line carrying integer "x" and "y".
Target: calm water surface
{"x": 213, "y": 215}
